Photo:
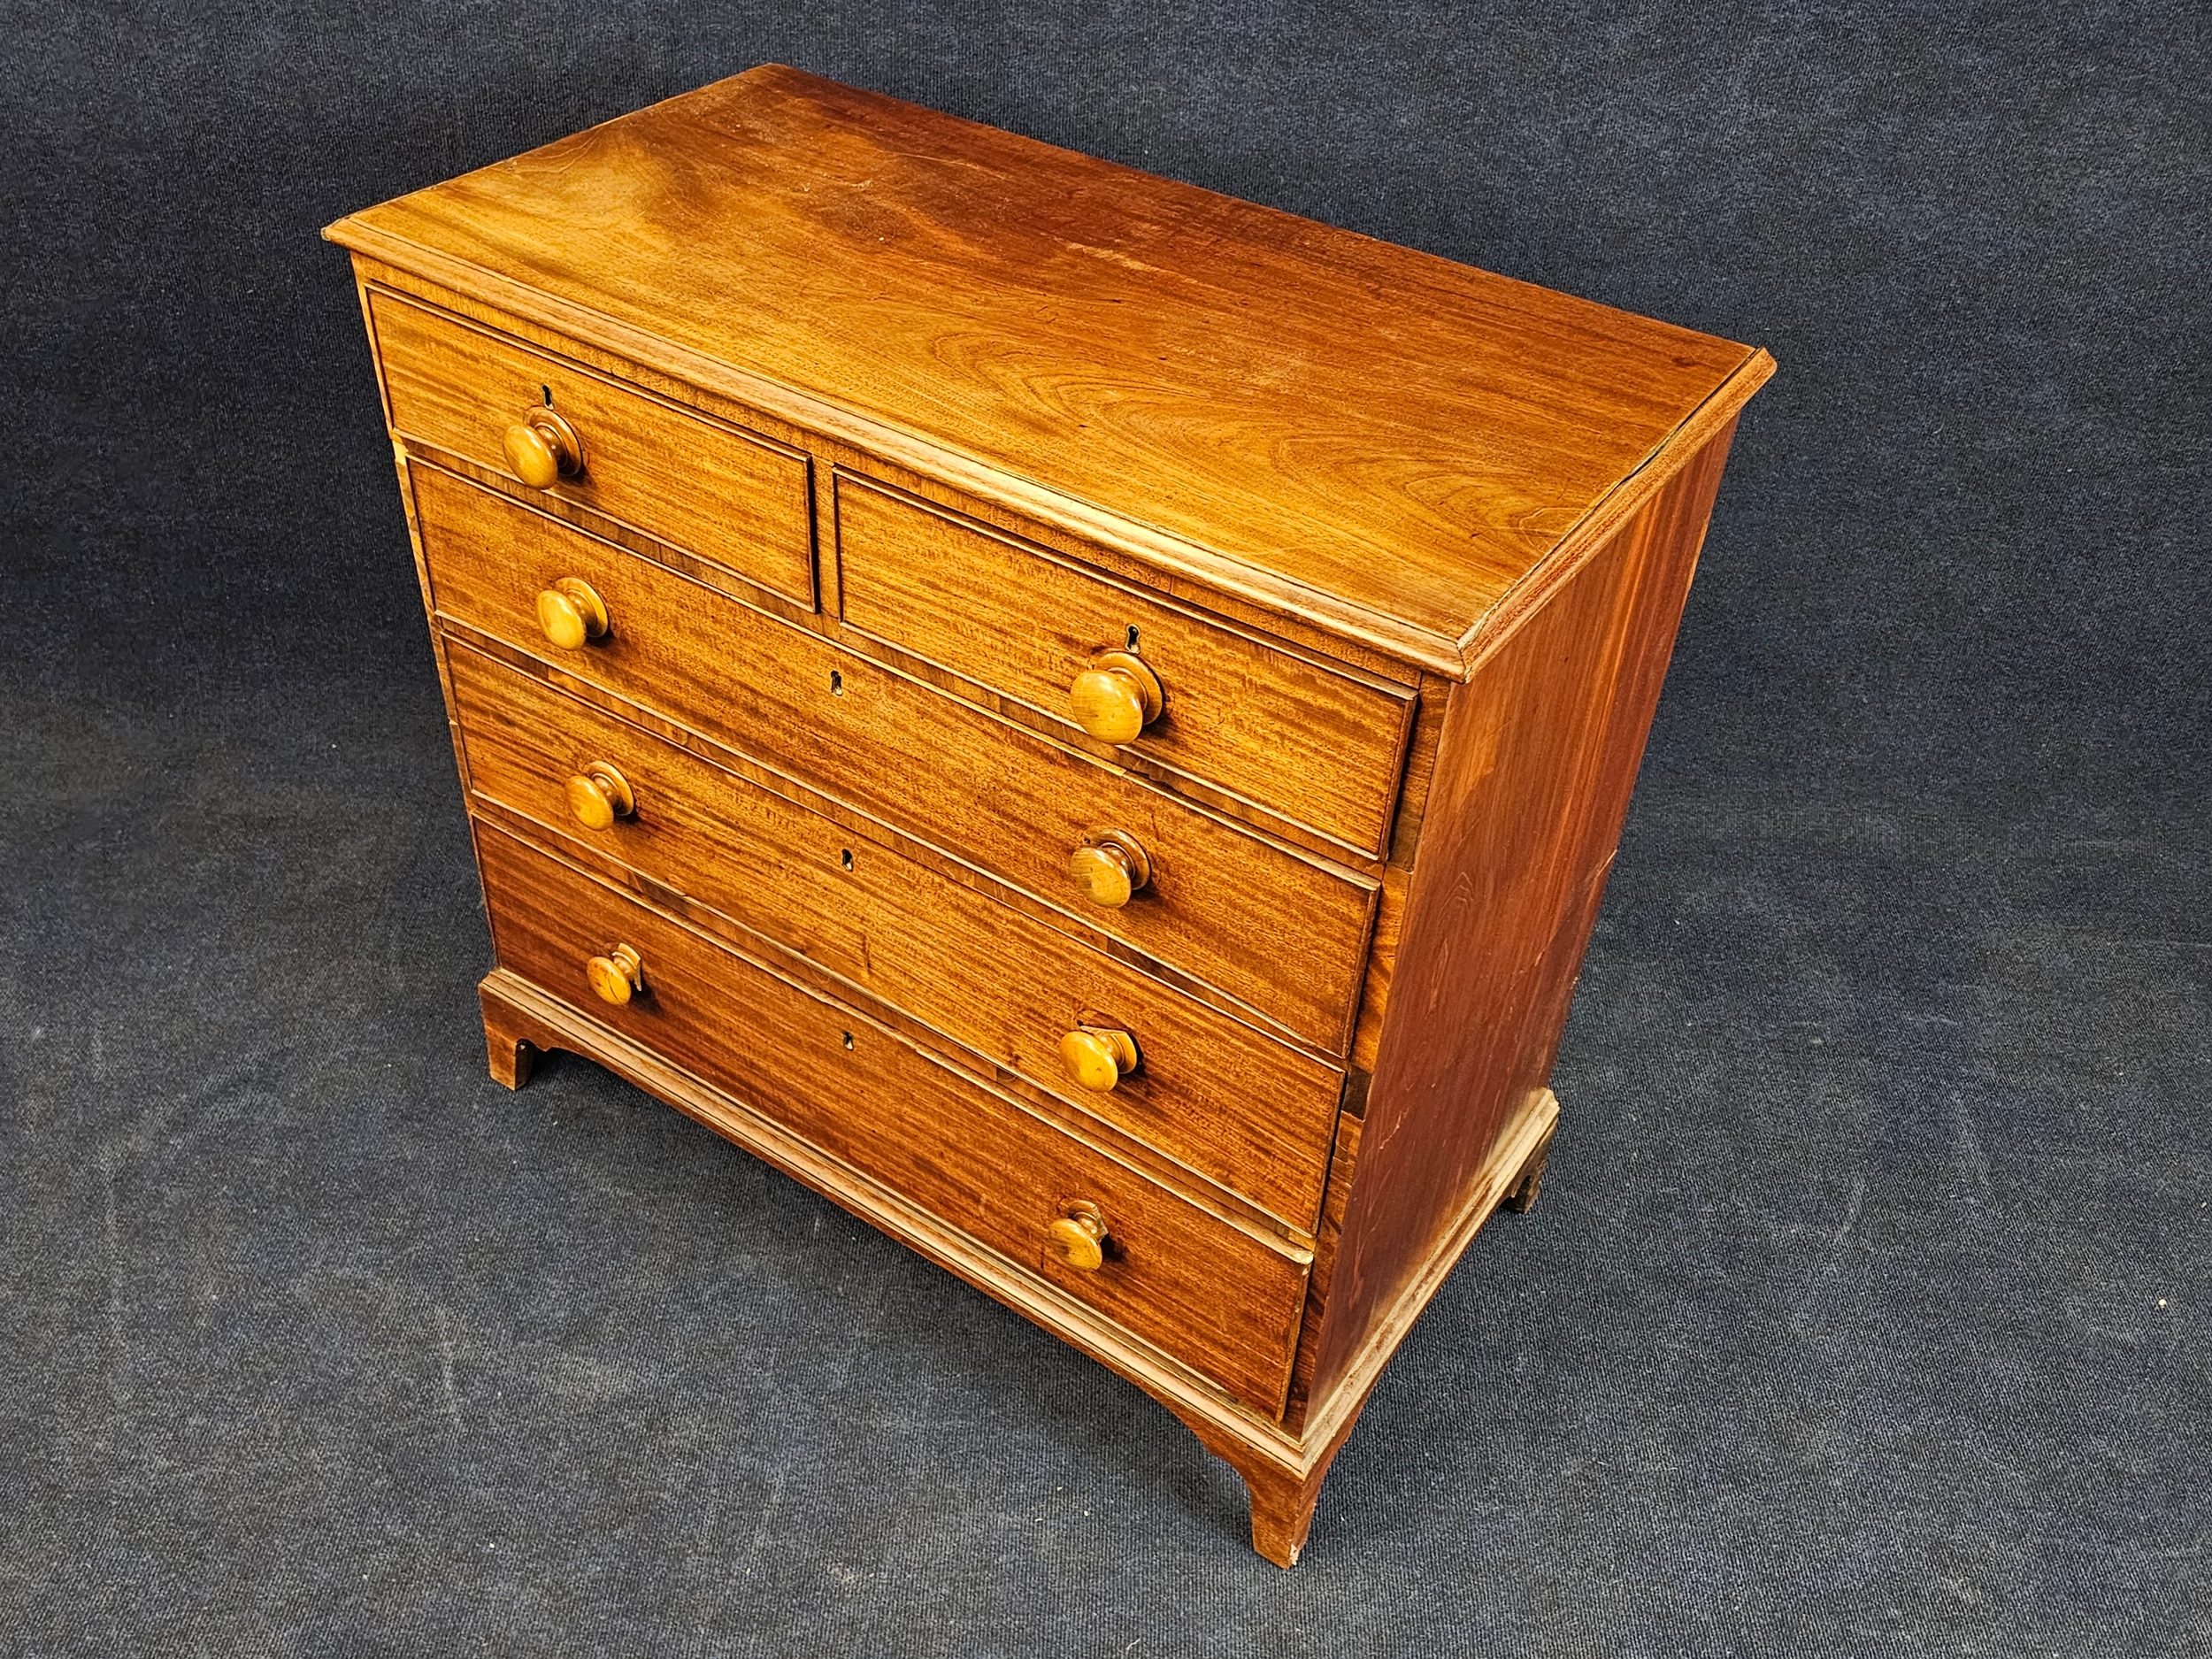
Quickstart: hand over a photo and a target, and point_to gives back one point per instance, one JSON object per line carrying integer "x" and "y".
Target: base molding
{"x": 1282, "y": 1472}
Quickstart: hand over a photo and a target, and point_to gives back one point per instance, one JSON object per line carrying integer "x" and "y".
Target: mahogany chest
{"x": 1084, "y": 719}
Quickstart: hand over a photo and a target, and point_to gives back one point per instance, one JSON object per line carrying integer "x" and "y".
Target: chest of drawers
{"x": 1084, "y": 719}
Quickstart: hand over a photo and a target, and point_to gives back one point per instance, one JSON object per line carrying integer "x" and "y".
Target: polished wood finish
{"x": 1224, "y": 1299}
{"x": 1537, "y": 756}
{"x": 1322, "y": 744}
{"x": 1334, "y": 427}
{"x": 989, "y": 792}
{"x": 735, "y": 497}
{"x": 1084, "y": 721}
{"x": 1235, "y": 1106}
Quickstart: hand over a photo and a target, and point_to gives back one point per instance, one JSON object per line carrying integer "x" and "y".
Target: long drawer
{"x": 1232, "y": 1104}
{"x": 1214, "y": 1296}
{"x": 1281, "y": 931}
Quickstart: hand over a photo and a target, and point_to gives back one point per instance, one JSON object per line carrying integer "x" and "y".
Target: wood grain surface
{"x": 1537, "y": 756}
{"x": 1293, "y": 411}
{"x": 1231, "y": 1103}
{"x": 1213, "y": 1296}
{"x": 1327, "y": 1236}
{"x": 1282, "y": 931}
{"x": 735, "y": 498}
{"x": 1316, "y": 743}
{"x": 1322, "y": 589}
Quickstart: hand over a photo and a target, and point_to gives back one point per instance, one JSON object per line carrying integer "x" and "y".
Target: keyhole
{"x": 1133, "y": 638}
{"x": 837, "y": 683}
{"x": 848, "y": 1040}
{"x": 549, "y": 396}
{"x": 845, "y": 858}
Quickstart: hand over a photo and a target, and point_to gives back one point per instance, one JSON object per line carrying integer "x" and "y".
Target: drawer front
{"x": 730, "y": 497}
{"x": 1237, "y": 1107}
{"x": 1317, "y": 745}
{"x": 1215, "y": 1297}
{"x": 1284, "y": 933}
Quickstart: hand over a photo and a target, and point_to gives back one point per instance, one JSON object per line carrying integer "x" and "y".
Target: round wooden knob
{"x": 570, "y": 613}
{"x": 1097, "y": 1058}
{"x": 1079, "y": 1237}
{"x": 618, "y": 976}
{"x": 543, "y": 450}
{"x": 1116, "y": 697}
{"x": 599, "y": 794}
{"x": 1109, "y": 867}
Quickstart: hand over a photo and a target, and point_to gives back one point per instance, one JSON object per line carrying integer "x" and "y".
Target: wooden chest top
{"x": 1389, "y": 445}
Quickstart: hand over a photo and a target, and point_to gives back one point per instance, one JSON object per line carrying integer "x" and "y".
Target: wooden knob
{"x": 1109, "y": 867}
{"x": 1097, "y": 1058}
{"x": 1080, "y": 1237}
{"x": 571, "y": 613}
{"x": 543, "y": 450}
{"x": 618, "y": 976}
{"x": 599, "y": 794}
{"x": 1116, "y": 697}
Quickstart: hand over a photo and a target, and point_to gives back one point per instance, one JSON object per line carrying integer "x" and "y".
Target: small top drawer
{"x": 732, "y": 497}
{"x": 1321, "y": 745}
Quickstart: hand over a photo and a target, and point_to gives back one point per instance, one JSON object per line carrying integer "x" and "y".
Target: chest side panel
{"x": 1539, "y": 755}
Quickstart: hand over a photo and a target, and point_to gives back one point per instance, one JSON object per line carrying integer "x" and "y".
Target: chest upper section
{"x": 1380, "y": 443}
{"x": 1306, "y": 744}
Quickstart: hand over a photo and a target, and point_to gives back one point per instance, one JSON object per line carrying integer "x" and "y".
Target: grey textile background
{"x": 1865, "y": 1310}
